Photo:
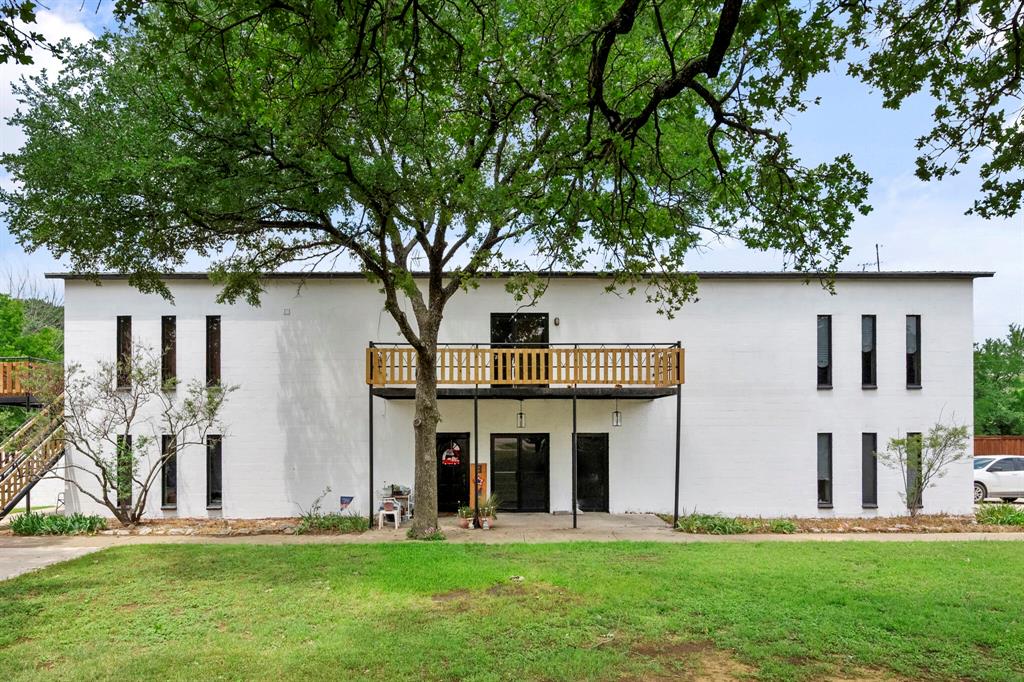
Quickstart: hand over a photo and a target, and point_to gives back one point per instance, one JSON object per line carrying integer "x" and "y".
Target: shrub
{"x": 56, "y": 524}
{"x": 784, "y": 526}
{"x": 711, "y": 524}
{"x": 715, "y": 524}
{"x": 1000, "y": 515}
{"x": 331, "y": 523}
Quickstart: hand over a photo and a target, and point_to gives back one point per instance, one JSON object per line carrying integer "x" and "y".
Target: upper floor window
{"x": 213, "y": 350}
{"x": 913, "y": 351}
{"x": 168, "y": 349}
{"x": 124, "y": 351}
{"x": 824, "y": 351}
{"x": 868, "y": 352}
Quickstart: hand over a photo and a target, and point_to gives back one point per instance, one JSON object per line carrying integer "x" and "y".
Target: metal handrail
{"x": 538, "y": 344}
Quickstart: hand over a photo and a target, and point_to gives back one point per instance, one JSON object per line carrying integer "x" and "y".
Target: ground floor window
{"x": 214, "y": 497}
{"x": 124, "y": 471}
{"x": 869, "y": 470}
{"x": 915, "y": 491}
{"x": 825, "y": 470}
{"x": 169, "y": 473}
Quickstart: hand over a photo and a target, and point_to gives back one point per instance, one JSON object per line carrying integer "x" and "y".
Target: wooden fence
{"x": 998, "y": 445}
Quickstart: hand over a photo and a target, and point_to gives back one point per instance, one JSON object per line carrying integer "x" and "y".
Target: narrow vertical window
{"x": 915, "y": 489}
{"x": 869, "y": 470}
{"x": 169, "y": 473}
{"x": 913, "y": 351}
{"x": 825, "y": 470}
{"x": 214, "y": 497}
{"x": 123, "y": 472}
{"x": 213, "y": 350}
{"x": 124, "y": 351}
{"x": 824, "y": 351}
{"x": 868, "y": 352}
{"x": 168, "y": 350}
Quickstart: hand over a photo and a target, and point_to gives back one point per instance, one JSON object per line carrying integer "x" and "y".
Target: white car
{"x": 998, "y": 476}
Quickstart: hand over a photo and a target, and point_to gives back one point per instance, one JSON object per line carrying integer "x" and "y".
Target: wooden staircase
{"x": 29, "y": 453}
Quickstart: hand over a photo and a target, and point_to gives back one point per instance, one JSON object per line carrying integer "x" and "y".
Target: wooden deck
{"x": 12, "y": 374}
{"x": 660, "y": 366}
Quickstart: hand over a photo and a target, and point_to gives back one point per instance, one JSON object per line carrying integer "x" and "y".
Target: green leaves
{"x": 968, "y": 56}
{"x": 999, "y": 385}
{"x": 434, "y": 136}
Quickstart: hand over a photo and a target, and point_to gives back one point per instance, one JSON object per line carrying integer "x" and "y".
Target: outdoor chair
{"x": 389, "y": 507}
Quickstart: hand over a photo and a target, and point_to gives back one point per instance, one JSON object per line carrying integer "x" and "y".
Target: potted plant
{"x": 465, "y": 514}
{"x": 489, "y": 512}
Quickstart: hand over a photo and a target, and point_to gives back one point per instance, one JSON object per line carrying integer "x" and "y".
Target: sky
{"x": 916, "y": 225}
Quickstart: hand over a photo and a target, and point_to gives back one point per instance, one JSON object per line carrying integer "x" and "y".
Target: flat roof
{"x": 712, "y": 274}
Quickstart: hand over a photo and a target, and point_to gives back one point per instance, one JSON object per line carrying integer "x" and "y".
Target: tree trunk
{"x": 425, "y": 429}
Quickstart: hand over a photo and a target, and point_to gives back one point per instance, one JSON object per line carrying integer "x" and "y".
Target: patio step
{"x": 29, "y": 453}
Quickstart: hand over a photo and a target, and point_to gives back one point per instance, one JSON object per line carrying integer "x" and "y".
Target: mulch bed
{"x": 900, "y": 524}
{"x": 211, "y": 527}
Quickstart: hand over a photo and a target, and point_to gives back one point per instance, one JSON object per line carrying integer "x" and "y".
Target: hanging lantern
{"x": 616, "y": 415}
{"x": 520, "y": 417}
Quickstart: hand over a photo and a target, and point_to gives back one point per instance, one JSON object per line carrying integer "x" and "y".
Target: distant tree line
{"x": 999, "y": 385}
{"x": 31, "y": 324}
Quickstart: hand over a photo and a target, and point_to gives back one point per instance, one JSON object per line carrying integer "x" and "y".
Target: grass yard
{"x": 411, "y": 611}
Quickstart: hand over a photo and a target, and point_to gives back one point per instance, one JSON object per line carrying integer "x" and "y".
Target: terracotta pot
{"x": 489, "y": 520}
{"x": 464, "y": 523}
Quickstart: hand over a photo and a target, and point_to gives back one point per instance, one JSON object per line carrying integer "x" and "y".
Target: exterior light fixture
{"x": 520, "y": 417}
{"x": 616, "y": 415}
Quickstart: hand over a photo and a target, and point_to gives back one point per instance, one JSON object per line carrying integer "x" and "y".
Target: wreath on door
{"x": 452, "y": 455}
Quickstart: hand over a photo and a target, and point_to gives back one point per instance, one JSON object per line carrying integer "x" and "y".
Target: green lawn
{"x": 415, "y": 611}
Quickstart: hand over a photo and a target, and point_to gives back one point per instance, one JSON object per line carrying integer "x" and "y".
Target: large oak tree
{"x": 449, "y": 136}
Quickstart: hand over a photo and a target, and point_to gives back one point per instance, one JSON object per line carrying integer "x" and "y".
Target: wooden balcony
{"x": 649, "y": 365}
{"x": 13, "y": 372}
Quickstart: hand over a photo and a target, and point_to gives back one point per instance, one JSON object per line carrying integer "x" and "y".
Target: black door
{"x": 520, "y": 471}
{"x": 592, "y": 472}
{"x": 452, "y": 471}
{"x": 522, "y": 330}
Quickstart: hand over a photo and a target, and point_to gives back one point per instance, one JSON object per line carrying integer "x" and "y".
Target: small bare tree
{"x": 922, "y": 459}
{"x": 109, "y": 430}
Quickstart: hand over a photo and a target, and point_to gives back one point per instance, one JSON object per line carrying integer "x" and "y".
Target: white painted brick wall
{"x": 751, "y": 409}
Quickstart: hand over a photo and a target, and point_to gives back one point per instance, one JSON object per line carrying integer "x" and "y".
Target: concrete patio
{"x": 22, "y": 554}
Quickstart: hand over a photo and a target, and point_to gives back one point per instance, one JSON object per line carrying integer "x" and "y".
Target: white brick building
{"x": 769, "y": 381}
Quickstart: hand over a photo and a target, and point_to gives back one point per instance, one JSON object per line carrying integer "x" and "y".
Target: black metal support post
{"x": 679, "y": 413}
{"x": 28, "y": 501}
{"x": 370, "y": 475}
{"x": 476, "y": 448}
{"x": 574, "y": 459}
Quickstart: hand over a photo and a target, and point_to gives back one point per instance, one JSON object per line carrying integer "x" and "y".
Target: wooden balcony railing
{"x": 627, "y": 365}
{"x": 12, "y": 373}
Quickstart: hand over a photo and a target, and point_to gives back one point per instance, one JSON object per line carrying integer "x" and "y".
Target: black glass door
{"x": 520, "y": 466}
{"x": 592, "y": 472}
{"x": 452, "y": 471}
{"x": 521, "y": 330}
